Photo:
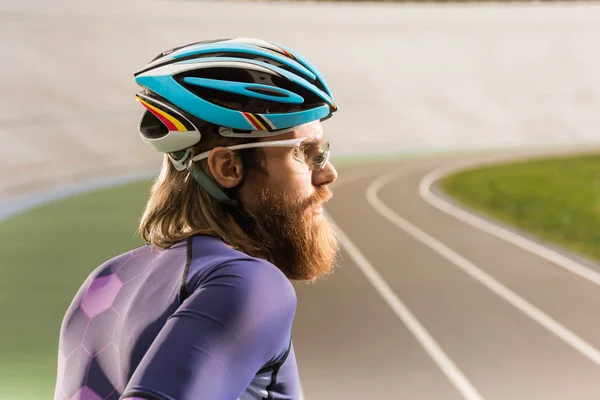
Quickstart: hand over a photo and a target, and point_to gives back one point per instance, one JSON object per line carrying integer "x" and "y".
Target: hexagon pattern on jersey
{"x": 85, "y": 393}
{"x": 95, "y": 310}
{"x": 101, "y": 294}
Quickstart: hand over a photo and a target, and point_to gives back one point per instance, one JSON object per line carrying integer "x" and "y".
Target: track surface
{"x": 482, "y": 318}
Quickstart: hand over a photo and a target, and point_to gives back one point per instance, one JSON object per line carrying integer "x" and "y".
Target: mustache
{"x": 321, "y": 196}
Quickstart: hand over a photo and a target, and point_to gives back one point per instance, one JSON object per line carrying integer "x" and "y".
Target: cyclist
{"x": 204, "y": 310}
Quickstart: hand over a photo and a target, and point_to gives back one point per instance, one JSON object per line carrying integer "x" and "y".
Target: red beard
{"x": 299, "y": 241}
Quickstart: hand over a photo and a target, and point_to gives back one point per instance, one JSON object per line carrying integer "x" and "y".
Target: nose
{"x": 326, "y": 176}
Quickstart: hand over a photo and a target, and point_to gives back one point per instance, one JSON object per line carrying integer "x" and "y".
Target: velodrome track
{"x": 431, "y": 302}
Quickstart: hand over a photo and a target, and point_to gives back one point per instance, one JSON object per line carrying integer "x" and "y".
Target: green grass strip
{"x": 46, "y": 255}
{"x": 556, "y": 199}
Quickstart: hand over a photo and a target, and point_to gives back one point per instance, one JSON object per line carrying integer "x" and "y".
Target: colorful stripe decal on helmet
{"x": 172, "y": 123}
{"x": 287, "y": 53}
{"x": 269, "y": 123}
{"x": 256, "y": 123}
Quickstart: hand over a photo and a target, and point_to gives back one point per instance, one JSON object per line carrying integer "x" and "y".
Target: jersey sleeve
{"x": 235, "y": 322}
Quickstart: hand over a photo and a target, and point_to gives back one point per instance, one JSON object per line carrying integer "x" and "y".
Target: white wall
{"x": 407, "y": 77}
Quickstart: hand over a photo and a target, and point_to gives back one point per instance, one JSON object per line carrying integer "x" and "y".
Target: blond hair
{"x": 178, "y": 207}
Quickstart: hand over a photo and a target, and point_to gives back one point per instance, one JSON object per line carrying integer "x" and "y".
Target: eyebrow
{"x": 312, "y": 142}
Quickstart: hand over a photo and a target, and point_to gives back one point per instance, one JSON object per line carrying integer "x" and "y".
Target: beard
{"x": 300, "y": 242}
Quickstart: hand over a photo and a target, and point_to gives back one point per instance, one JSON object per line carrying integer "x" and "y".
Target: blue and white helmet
{"x": 247, "y": 87}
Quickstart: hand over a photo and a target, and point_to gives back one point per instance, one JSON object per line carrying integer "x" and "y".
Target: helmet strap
{"x": 182, "y": 161}
{"x": 231, "y": 205}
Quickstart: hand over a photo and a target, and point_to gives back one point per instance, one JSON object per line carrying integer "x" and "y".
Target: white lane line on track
{"x": 484, "y": 278}
{"x": 456, "y": 377}
{"x": 501, "y": 233}
{"x": 433, "y": 349}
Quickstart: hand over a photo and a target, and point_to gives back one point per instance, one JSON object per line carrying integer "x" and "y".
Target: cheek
{"x": 247, "y": 195}
{"x": 300, "y": 179}
{"x": 290, "y": 172}
{"x": 288, "y": 175}
{"x": 292, "y": 181}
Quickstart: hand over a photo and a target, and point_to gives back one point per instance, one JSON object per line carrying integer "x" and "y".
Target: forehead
{"x": 313, "y": 131}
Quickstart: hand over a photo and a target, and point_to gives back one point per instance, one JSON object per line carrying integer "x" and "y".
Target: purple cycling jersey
{"x": 199, "y": 320}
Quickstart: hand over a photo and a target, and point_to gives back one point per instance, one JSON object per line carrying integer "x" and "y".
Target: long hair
{"x": 178, "y": 207}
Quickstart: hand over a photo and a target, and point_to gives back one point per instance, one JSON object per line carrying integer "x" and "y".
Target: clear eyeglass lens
{"x": 314, "y": 158}
{"x": 319, "y": 161}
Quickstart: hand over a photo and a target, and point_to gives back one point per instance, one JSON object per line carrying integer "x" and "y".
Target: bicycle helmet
{"x": 247, "y": 87}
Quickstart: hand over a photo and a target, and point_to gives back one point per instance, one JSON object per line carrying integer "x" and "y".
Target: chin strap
{"x": 183, "y": 159}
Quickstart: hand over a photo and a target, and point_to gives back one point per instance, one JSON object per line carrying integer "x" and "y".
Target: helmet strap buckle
{"x": 180, "y": 159}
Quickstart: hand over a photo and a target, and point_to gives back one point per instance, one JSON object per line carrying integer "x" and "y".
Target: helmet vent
{"x": 267, "y": 92}
{"x": 219, "y": 73}
{"x": 152, "y": 127}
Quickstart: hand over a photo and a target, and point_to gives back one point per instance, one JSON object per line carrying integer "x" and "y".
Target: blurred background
{"x": 411, "y": 79}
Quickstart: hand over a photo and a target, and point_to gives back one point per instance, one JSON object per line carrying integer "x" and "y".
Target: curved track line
{"x": 484, "y": 278}
{"x": 520, "y": 241}
{"x": 433, "y": 349}
{"x": 456, "y": 377}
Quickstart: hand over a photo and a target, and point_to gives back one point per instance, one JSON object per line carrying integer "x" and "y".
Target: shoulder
{"x": 212, "y": 260}
{"x": 116, "y": 263}
{"x": 246, "y": 295}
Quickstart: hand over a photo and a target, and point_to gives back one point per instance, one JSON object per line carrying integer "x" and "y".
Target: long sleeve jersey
{"x": 199, "y": 320}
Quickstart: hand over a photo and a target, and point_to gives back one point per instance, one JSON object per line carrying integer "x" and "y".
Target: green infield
{"x": 555, "y": 199}
{"x": 46, "y": 255}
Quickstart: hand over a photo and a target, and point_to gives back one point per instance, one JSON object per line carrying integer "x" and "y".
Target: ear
{"x": 226, "y": 167}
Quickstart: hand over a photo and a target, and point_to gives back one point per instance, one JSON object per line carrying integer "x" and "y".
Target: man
{"x": 205, "y": 309}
